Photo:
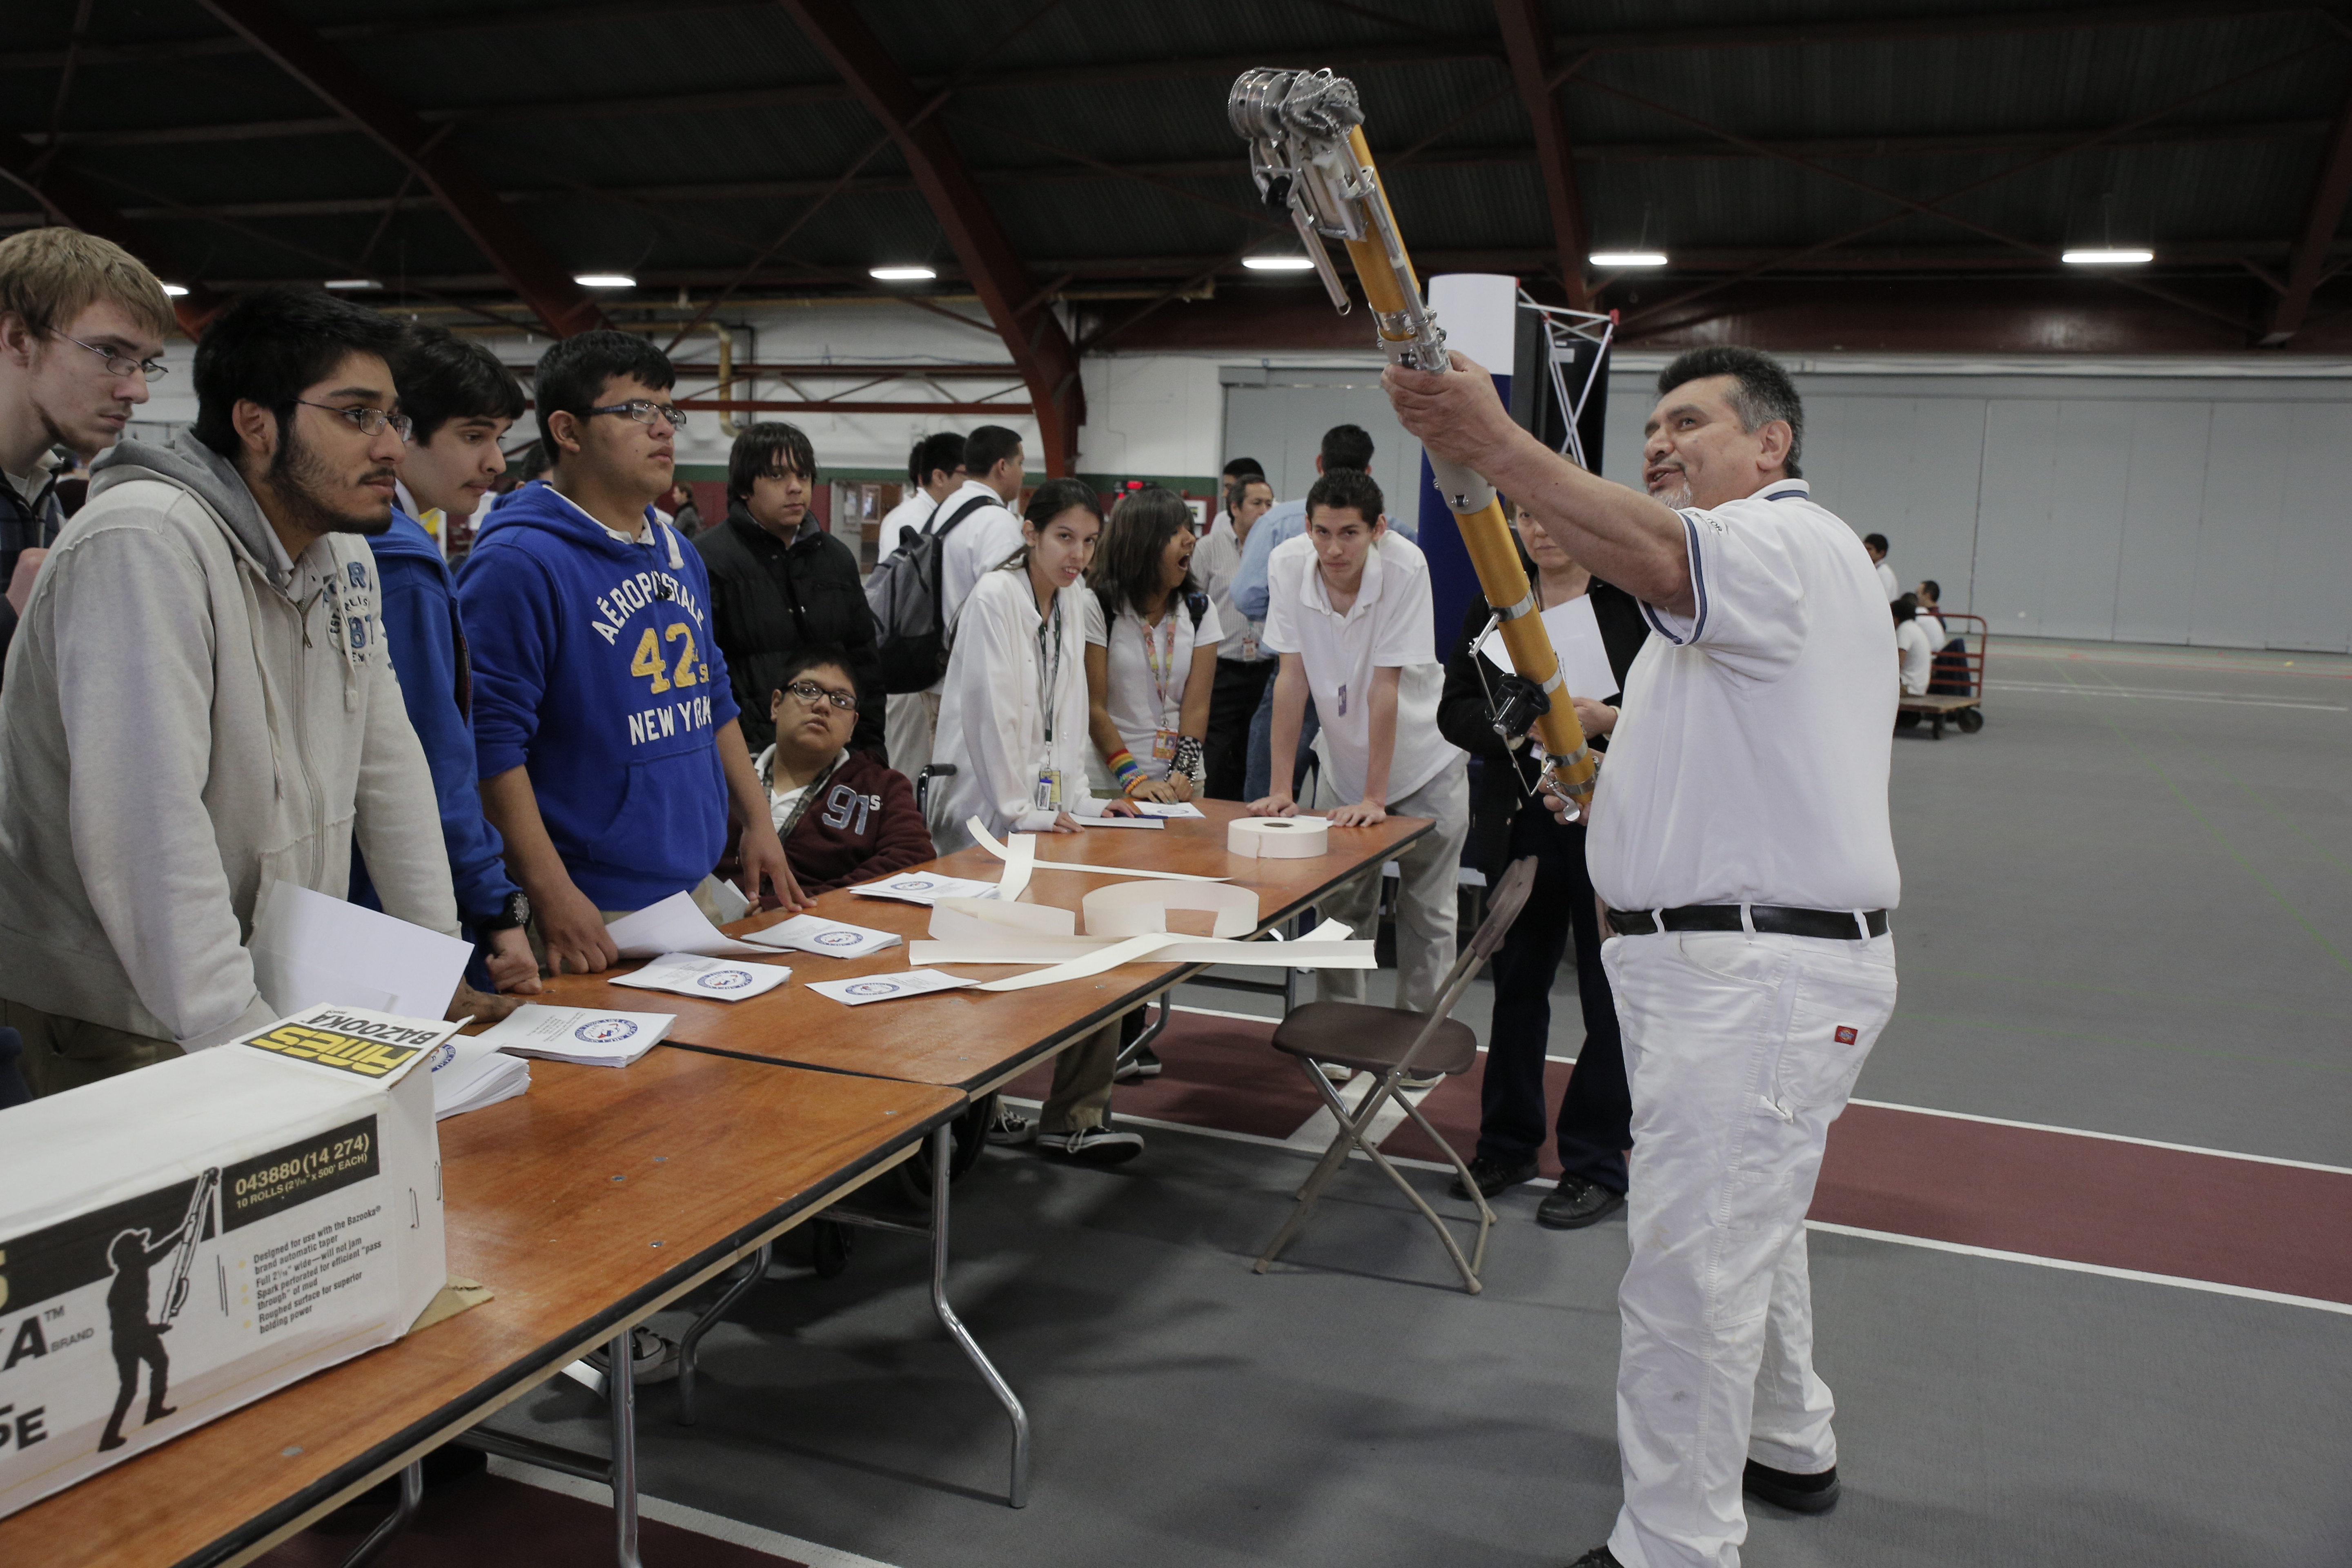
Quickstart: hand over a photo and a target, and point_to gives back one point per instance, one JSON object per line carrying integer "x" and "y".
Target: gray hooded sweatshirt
{"x": 188, "y": 723}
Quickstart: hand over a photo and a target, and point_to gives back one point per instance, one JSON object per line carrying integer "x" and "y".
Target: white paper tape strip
{"x": 1023, "y": 851}
{"x": 1138, "y": 909}
{"x": 985, "y": 919}
{"x": 1181, "y": 950}
{"x": 1278, "y": 838}
{"x": 988, "y": 841}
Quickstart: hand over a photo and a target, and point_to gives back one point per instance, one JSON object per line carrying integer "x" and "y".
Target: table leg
{"x": 688, "y": 1347}
{"x": 621, "y": 1389}
{"x": 1019, "y": 1495}
{"x": 1167, "y": 1000}
{"x": 411, "y": 1496}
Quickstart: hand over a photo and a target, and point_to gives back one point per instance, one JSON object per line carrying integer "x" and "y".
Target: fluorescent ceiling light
{"x": 176, "y": 290}
{"x": 901, "y": 274}
{"x": 2108, "y": 258}
{"x": 1627, "y": 259}
{"x": 351, "y": 283}
{"x": 1276, "y": 263}
{"x": 605, "y": 280}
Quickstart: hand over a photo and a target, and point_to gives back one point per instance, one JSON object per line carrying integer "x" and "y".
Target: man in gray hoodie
{"x": 198, "y": 705}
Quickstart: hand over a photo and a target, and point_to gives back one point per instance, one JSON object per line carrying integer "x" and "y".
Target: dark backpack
{"x": 911, "y": 632}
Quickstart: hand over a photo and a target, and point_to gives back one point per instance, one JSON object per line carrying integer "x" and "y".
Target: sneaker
{"x": 1336, "y": 1072}
{"x": 1414, "y": 1082}
{"x": 1104, "y": 1145}
{"x": 652, "y": 1358}
{"x": 1495, "y": 1177}
{"x": 1145, "y": 1064}
{"x": 1598, "y": 1557}
{"x": 1010, "y": 1128}
{"x": 1577, "y": 1203}
{"x": 1783, "y": 1488}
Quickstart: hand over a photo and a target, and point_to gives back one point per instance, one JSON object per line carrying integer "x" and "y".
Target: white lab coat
{"x": 992, "y": 723}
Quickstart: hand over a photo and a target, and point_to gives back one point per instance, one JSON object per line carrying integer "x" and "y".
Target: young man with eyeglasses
{"x": 81, "y": 325}
{"x": 202, "y": 707}
{"x": 610, "y": 760}
{"x": 844, "y": 816}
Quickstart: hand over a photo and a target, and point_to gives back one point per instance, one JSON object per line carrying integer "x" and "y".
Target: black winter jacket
{"x": 1461, "y": 719}
{"x": 769, "y": 600}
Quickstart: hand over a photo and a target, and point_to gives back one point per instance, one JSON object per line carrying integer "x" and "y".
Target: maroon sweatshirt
{"x": 863, "y": 825}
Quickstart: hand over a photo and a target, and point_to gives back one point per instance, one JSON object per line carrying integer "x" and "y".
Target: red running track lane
{"x": 2062, "y": 1195}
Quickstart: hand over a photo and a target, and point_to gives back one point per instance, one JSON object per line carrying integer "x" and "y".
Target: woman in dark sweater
{"x": 1507, "y": 823}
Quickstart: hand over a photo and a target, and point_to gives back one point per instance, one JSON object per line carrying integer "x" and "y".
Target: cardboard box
{"x": 214, "y": 1228}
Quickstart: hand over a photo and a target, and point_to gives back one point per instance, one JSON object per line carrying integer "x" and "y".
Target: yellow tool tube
{"x": 1485, "y": 533}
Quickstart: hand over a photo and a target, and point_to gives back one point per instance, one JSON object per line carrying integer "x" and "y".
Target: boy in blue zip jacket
{"x": 610, "y": 758}
{"x": 460, "y": 400}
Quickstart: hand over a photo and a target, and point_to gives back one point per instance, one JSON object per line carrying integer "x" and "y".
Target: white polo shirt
{"x": 1218, "y": 559}
{"x": 979, "y": 544}
{"x": 1149, "y": 668}
{"x": 1749, "y": 764}
{"x": 1389, "y": 626}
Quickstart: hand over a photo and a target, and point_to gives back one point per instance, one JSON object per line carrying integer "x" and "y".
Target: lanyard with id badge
{"x": 1162, "y": 665}
{"x": 1049, "y": 797}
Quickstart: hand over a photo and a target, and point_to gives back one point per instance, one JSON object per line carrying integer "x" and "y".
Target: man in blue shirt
{"x": 460, "y": 400}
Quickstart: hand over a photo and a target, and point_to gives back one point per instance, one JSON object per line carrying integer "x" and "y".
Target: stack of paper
{"x": 590, "y": 1035}
{"x": 922, "y": 887}
{"x": 883, "y": 987}
{"x": 814, "y": 933}
{"x": 470, "y": 1072}
{"x": 712, "y": 979}
{"x": 675, "y": 925}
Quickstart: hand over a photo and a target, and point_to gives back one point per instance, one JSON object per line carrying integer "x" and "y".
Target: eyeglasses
{"x": 812, "y": 693}
{"x": 366, "y": 421}
{"x": 121, "y": 365}
{"x": 646, "y": 413}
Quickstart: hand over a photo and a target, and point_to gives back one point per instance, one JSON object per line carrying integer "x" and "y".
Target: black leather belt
{"x": 1833, "y": 925}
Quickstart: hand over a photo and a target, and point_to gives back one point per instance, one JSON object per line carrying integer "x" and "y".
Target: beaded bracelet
{"x": 1189, "y": 761}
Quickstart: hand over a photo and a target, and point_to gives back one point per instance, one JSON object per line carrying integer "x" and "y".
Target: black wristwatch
{"x": 514, "y": 913}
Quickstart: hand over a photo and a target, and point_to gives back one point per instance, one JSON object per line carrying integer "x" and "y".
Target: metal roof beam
{"x": 65, "y": 199}
{"x": 1527, "y": 41}
{"x": 2323, "y": 214}
{"x": 1033, "y": 334}
{"x": 543, "y": 286}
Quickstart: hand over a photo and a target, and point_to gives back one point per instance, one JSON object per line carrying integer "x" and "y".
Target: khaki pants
{"x": 1082, "y": 1078}
{"x": 1426, "y": 892}
{"x": 67, "y": 1053}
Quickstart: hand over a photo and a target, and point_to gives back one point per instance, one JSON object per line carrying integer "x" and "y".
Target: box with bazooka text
{"x": 184, "y": 1239}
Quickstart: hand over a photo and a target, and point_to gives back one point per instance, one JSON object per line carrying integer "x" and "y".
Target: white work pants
{"x": 1428, "y": 893}
{"x": 1741, "y": 1050}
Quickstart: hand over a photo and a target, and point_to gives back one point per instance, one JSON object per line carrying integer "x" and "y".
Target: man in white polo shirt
{"x": 1739, "y": 839}
{"x": 1349, "y": 610}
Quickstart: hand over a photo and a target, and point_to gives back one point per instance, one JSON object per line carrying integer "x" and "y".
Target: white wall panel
{"x": 2311, "y": 565}
{"x": 2237, "y": 541}
{"x": 2164, "y": 503}
{"x": 1906, "y": 467}
{"x": 2014, "y": 520}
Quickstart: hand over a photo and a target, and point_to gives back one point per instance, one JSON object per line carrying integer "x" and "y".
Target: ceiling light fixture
{"x": 176, "y": 290}
{"x": 2108, "y": 258}
{"x": 605, "y": 280}
{"x": 901, "y": 274}
{"x": 1618, "y": 259}
{"x": 351, "y": 283}
{"x": 1278, "y": 263}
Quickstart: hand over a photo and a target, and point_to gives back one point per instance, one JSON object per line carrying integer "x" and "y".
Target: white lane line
{"x": 2109, "y": 1137}
{"x": 680, "y": 1517}
{"x": 2209, "y": 1287}
{"x": 2062, "y": 688}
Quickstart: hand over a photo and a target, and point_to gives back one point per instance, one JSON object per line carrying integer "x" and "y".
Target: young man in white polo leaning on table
{"x": 1739, "y": 839}
{"x": 1350, "y": 612}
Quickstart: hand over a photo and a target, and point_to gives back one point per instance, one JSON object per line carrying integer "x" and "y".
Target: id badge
{"x": 1249, "y": 647}
{"x": 1049, "y": 789}
{"x": 1163, "y": 745}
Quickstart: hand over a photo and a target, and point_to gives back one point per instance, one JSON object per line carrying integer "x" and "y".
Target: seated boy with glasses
{"x": 844, "y": 817}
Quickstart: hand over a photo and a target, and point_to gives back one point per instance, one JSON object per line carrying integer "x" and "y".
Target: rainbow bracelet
{"x": 1126, "y": 770}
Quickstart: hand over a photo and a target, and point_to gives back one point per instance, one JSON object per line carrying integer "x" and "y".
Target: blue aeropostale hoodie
{"x": 427, "y": 638}
{"x": 594, "y": 666}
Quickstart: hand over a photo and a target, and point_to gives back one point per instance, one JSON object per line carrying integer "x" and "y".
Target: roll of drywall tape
{"x": 1140, "y": 909}
{"x": 1278, "y": 838}
{"x": 974, "y": 919}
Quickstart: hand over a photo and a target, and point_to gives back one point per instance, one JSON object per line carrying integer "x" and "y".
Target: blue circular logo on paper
{"x": 604, "y": 1031}
{"x": 443, "y": 1055}
{"x": 872, "y": 988}
{"x": 836, "y": 938}
{"x": 724, "y": 979}
{"x": 913, "y": 885}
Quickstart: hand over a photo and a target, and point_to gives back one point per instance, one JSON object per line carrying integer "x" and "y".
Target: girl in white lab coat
{"x": 1152, "y": 650}
{"x": 1013, "y": 708}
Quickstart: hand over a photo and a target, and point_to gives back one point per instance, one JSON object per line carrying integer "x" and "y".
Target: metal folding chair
{"x": 1392, "y": 1042}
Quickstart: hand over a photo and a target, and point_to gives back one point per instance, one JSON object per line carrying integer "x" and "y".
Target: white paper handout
{"x": 884, "y": 987}
{"x": 675, "y": 925}
{"x": 712, "y": 979}
{"x": 1575, "y": 640}
{"x": 313, "y": 950}
{"x": 814, "y": 933}
{"x": 597, "y": 1036}
{"x": 922, "y": 887}
{"x": 470, "y": 1073}
{"x": 1169, "y": 808}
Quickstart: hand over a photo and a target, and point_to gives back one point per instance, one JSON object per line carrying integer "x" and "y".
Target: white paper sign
{"x": 886, "y": 987}
{"x": 922, "y": 887}
{"x": 1169, "y": 808}
{"x": 312, "y": 949}
{"x": 814, "y": 933}
{"x": 712, "y": 979}
{"x": 675, "y": 925}
{"x": 1575, "y": 640}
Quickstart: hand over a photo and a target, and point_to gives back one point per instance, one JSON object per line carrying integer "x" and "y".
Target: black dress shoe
{"x": 1577, "y": 1203}
{"x": 1495, "y": 1176}
{"x": 1783, "y": 1488}
{"x": 1598, "y": 1557}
